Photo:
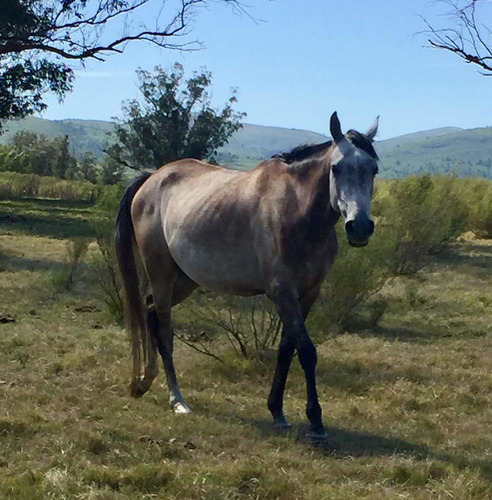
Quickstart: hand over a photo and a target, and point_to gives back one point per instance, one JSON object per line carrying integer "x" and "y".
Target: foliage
{"x": 418, "y": 217}
{"x": 174, "y": 121}
{"x": 87, "y": 168}
{"x": 250, "y": 324}
{"x": 24, "y": 83}
{"x": 63, "y": 277}
{"x": 356, "y": 276}
{"x": 476, "y": 195}
{"x": 15, "y": 185}
{"x": 110, "y": 171}
{"x": 107, "y": 277}
{"x": 37, "y": 36}
{"x": 31, "y": 153}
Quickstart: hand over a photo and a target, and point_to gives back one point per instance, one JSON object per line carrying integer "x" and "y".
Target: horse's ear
{"x": 335, "y": 129}
{"x": 373, "y": 129}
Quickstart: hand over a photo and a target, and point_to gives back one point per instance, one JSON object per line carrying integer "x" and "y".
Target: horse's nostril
{"x": 349, "y": 226}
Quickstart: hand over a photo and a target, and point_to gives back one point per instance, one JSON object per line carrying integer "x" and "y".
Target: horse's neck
{"x": 313, "y": 180}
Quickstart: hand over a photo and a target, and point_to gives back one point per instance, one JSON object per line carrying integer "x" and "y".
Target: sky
{"x": 295, "y": 62}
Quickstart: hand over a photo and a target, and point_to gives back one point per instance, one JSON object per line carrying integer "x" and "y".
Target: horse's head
{"x": 353, "y": 165}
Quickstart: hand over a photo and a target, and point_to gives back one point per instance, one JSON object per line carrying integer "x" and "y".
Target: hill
{"x": 462, "y": 152}
{"x": 85, "y": 135}
{"x": 444, "y": 150}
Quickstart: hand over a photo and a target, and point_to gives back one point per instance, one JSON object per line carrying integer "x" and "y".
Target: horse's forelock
{"x": 363, "y": 142}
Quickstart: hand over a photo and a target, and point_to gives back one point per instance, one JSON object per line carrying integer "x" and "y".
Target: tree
{"x": 65, "y": 166}
{"x": 39, "y": 37}
{"x": 110, "y": 170}
{"x": 175, "y": 121}
{"x": 43, "y": 156}
{"x": 87, "y": 168}
{"x": 469, "y": 35}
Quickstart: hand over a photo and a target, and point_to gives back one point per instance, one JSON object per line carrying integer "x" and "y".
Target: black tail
{"x": 134, "y": 310}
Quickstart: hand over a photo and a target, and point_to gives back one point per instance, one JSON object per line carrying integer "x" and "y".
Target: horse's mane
{"x": 306, "y": 151}
{"x": 363, "y": 142}
{"x": 303, "y": 152}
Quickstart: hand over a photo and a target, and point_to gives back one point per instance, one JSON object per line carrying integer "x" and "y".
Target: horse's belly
{"x": 226, "y": 270}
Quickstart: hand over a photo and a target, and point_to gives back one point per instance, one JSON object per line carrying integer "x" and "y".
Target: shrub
{"x": 419, "y": 217}
{"x": 103, "y": 223}
{"x": 476, "y": 194}
{"x": 356, "y": 276}
{"x": 250, "y": 324}
{"x": 16, "y": 185}
{"x": 63, "y": 278}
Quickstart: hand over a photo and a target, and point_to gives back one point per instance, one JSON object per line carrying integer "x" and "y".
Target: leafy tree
{"x": 467, "y": 35}
{"x": 38, "y": 38}
{"x": 44, "y": 156}
{"x": 87, "y": 167}
{"x": 174, "y": 121}
{"x": 11, "y": 159}
{"x": 65, "y": 166}
{"x": 110, "y": 170}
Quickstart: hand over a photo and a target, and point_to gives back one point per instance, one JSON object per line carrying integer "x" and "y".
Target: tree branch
{"x": 467, "y": 38}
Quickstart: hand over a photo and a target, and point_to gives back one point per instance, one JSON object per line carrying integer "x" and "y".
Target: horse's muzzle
{"x": 359, "y": 230}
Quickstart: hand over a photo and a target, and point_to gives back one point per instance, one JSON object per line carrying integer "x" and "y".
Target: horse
{"x": 267, "y": 231}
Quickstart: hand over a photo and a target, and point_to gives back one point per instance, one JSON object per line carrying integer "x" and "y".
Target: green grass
{"x": 53, "y": 218}
{"x": 407, "y": 405}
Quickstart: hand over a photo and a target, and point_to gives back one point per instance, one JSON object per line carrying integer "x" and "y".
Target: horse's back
{"x": 202, "y": 214}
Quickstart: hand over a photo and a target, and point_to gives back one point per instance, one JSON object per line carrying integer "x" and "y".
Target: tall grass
{"x": 16, "y": 185}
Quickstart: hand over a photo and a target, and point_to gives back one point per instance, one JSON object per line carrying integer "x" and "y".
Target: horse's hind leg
{"x": 183, "y": 287}
{"x": 167, "y": 290}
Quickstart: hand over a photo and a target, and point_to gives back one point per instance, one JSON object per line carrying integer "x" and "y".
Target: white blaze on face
{"x": 351, "y": 180}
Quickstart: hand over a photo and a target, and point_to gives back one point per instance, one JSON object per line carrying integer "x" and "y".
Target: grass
{"x": 407, "y": 405}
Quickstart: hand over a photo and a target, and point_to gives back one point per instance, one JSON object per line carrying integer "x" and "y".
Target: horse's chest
{"x": 309, "y": 253}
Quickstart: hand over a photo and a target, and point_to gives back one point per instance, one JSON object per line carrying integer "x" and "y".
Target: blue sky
{"x": 305, "y": 59}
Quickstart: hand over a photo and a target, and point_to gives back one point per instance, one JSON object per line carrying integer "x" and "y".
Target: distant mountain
{"x": 461, "y": 152}
{"x": 253, "y": 143}
{"x": 415, "y": 136}
{"x": 85, "y": 135}
{"x": 445, "y": 150}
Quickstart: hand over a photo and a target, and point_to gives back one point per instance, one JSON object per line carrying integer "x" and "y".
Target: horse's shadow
{"x": 349, "y": 443}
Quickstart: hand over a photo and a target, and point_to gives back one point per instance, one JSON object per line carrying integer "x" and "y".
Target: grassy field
{"x": 407, "y": 404}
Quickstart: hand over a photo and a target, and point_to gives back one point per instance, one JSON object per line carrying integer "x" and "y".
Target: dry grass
{"x": 407, "y": 405}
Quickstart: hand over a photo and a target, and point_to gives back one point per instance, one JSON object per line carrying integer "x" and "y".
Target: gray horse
{"x": 268, "y": 231}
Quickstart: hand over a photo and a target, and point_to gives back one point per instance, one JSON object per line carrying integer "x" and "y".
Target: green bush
{"x": 357, "y": 275}
{"x": 419, "y": 216}
{"x": 63, "y": 278}
{"x": 108, "y": 276}
{"x": 476, "y": 194}
{"x": 16, "y": 185}
{"x": 415, "y": 218}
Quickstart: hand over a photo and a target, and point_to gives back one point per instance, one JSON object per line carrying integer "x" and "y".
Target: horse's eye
{"x": 335, "y": 169}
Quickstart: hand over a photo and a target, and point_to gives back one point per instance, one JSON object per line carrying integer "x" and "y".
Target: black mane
{"x": 361, "y": 141}
{"x": 306, "y": 151}
{"x": 300, "y": 153}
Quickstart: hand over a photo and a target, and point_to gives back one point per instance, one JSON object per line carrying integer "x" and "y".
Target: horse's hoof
{"x": 282, "y": 424}
{"x": 138, "y": 389}
{"x": 317, "y": 435}
{"x": 181, "y": 408}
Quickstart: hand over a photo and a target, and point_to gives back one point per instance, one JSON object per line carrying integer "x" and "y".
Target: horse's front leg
{"x": 295, "y": 335}
{"x": 276, "y": 399}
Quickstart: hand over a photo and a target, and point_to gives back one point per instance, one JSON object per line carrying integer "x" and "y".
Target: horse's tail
{"x": 132, "y": 301}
